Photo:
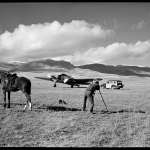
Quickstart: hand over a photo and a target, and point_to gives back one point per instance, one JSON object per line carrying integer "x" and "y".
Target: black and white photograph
{"x": 75, "y": 74}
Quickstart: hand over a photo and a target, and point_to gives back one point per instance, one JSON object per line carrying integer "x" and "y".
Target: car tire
{"x": 113, "y": 87}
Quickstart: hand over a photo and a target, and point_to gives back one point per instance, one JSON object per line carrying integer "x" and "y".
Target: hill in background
{"x": 119, "y": 70}
{"x": 62, "y": 66}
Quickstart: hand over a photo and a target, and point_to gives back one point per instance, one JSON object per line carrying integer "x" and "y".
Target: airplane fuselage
{"x": 65, "y": 79}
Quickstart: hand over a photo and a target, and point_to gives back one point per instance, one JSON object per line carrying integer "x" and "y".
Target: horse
{"x": 13, "y": 83}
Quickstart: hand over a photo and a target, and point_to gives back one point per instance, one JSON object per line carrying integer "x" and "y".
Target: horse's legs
{"x": 8, "y": 99}
{"x": 4, "y": 93}
{"x": 28, "y": 101}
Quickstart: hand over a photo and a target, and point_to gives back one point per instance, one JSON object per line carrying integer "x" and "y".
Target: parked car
{"x": 113, "y": 84}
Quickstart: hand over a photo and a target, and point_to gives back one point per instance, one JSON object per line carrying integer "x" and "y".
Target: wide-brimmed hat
{"x": 96, "y": 81}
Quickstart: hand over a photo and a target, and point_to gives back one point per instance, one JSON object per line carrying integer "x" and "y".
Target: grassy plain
{"x": 51, "y": 124}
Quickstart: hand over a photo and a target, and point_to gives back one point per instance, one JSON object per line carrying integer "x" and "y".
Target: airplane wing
{"x": 69, "y": 80}
{"x": 86, "y": 80}
{"x": 43, "y": 78}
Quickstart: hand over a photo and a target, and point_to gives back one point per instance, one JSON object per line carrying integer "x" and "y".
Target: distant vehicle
{"x": 66, "y": 79}
{"x": 113, "y": 84}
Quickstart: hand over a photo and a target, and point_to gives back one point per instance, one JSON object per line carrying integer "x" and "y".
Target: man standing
{"x": 89, "y": 94}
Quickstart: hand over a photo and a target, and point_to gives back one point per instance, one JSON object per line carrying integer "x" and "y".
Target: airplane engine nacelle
{"x": 49, "y": 76}
{"x": 66, "y": 80}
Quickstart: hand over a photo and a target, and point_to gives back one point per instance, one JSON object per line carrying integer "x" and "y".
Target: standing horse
{"x": 13, "y": 83}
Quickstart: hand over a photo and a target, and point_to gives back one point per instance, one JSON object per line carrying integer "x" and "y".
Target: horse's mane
{"x": 3, "y": 74}
{"x": 6, "y": 75}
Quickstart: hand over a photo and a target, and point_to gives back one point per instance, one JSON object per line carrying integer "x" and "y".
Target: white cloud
{"x": 77, "y": 41}
{"x": 139, "y": 25}
{"x": 116, "y": 52}
{"x": 50, "y": 39}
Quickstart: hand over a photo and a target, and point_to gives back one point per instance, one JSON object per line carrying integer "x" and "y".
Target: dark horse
{"x": 12, "y": 83}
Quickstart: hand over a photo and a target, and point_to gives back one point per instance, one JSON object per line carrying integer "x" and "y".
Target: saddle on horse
{"x": 12, "y": 83}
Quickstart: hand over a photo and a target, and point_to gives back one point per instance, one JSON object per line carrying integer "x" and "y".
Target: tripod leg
{"x": 84, "y": 103}
{"x": 103, "y": 101}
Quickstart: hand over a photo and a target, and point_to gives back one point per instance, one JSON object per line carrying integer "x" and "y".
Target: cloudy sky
{"x": 82, "y": 33}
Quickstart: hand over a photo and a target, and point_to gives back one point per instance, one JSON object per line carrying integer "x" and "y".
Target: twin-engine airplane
{"x": 66, "y": 79}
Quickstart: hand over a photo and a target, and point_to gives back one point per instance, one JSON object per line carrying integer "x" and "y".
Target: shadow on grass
{"x": 46, "y": 107}
{"x": 58, "y": 108}
{"x": 19, "y": 104}
{"x": 123, "y": 111}
{"x": 14, "y": 104}
{"x": 63, "y": 108}
{"x": 76, "y": 87}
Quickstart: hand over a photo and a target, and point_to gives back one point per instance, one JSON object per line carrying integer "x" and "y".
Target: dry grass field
{"x": 51, "y": 124}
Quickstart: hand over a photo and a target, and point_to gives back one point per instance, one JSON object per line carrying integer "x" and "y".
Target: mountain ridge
{"x": 119, "y": 69}
{"x": 59, "y": 66}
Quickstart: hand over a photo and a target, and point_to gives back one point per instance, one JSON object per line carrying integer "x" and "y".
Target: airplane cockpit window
{"x": 59, "y": 77}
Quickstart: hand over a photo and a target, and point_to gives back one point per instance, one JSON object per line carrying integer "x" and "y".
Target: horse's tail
{"x": 28, "y": 87}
